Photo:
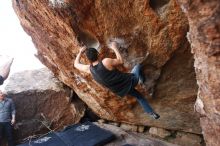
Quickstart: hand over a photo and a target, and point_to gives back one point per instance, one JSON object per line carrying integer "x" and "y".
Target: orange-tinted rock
{"x": 204, "y": 35}
{"x": 154, "y": 34}
{"x": 42, "y": 102}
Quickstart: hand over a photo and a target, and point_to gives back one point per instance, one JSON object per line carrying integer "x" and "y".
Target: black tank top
{"x": 118, "y": 82}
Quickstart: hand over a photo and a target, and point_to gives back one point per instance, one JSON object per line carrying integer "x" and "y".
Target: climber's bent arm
{"x": 118, "y": 60}
{"x": 80, "y": 66}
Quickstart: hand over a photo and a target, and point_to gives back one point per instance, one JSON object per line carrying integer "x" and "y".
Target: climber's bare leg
{"x": 5, "y": 69}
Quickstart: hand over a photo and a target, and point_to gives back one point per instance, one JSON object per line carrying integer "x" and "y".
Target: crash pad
{"x": 85, "y": 134}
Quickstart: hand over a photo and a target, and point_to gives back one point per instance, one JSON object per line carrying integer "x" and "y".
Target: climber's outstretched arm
{"x": 5, "y": 70}
{"x": 80, "y": 66}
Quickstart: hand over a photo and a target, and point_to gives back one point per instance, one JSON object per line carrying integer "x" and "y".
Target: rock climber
{"x": 105, "y": 73}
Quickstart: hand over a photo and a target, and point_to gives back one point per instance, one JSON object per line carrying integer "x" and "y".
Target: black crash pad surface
{"x": 86, "y": 134}
{"x": 50, "y": 139}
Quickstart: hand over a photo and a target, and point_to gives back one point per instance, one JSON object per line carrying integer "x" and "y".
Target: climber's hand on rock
{"x": 82, "y": 49}
{"x": 113, "y": 45}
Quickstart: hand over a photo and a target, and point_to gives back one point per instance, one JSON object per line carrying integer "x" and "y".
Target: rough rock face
{"x": 152, "y": 32}
{"x": 204, "y": 35}
{"x": 132, "y": 138}
{"x": 42, "y": 103}
{"x": 187, "y": 139}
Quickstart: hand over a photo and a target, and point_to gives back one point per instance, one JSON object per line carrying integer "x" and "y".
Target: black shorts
{"x": 1, "y": 80}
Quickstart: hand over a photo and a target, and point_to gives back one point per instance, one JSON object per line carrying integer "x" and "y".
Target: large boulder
{"x": 152, "y": 33}
{"x": 42, "y": 103}
{"x": 204, "y": 35}
{"x": 125, "y": 138}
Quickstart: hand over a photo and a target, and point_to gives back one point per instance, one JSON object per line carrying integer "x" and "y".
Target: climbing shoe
{"x": 154, "y": 115}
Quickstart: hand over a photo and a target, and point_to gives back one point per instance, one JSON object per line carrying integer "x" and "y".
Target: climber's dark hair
{"x": 91, "y": 54}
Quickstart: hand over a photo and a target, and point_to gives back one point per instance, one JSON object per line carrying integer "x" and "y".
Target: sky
{"x": 15, "y": 42}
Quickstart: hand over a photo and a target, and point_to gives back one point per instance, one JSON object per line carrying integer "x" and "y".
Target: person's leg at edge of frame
{"x": 147, "y": 108}
{"x": 1, "y": 133}
{"x": 9, "y": 133}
